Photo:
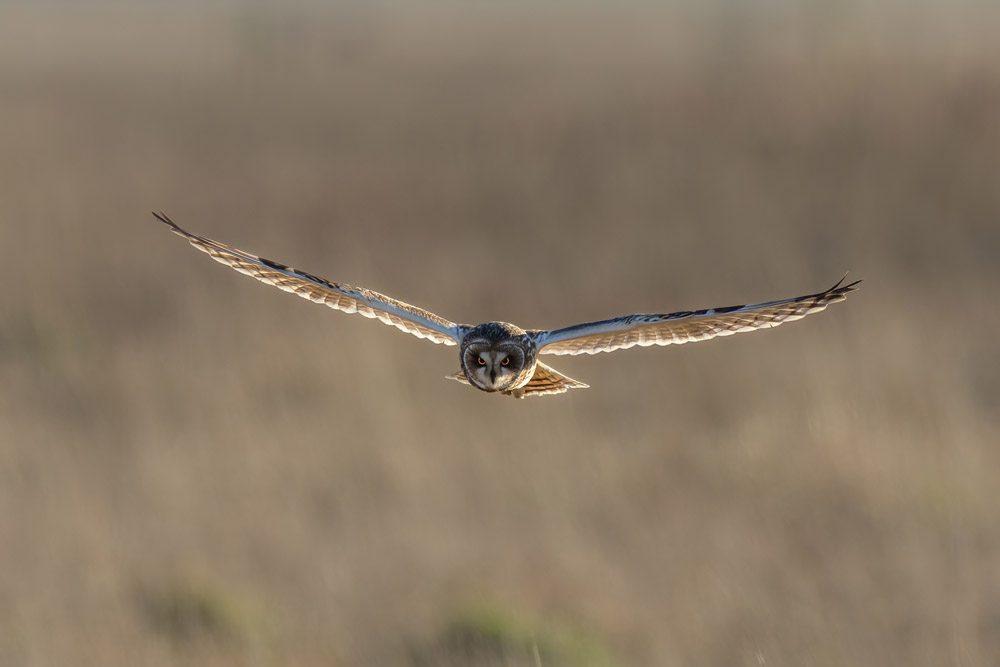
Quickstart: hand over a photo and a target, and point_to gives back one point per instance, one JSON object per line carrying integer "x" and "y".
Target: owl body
{"x": 499, "y": 357}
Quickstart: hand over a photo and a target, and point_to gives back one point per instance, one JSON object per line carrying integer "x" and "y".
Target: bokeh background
{"x": 199, "y": 469}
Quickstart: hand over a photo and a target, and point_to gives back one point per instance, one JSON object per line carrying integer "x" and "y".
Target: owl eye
{"x": 505, "y": 362}
{"x": 481, "y": 361}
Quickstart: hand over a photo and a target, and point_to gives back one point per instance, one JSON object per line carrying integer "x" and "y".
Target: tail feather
{"x": 547, "y": 380}
{"x": 460, "y": 376}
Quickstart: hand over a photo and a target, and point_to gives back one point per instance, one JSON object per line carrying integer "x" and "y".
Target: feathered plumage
{"x": 500, "y": 357}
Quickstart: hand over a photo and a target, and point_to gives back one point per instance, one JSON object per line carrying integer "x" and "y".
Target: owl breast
{"x": 497, "y": 357}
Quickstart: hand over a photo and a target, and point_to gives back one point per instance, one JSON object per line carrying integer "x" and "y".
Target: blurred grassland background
{"x": 198, "y": 469}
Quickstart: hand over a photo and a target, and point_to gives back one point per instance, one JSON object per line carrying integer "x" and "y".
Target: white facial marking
{"x": 493, "y": 372}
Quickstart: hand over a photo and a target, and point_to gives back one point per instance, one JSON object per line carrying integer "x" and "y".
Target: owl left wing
{"x": 685, "y": 326}
{"x": 345, "y": 298}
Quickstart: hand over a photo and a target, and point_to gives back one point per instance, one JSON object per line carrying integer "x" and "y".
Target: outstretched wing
{"x": 346, "y": 298}
{"x": 683, "y": 327}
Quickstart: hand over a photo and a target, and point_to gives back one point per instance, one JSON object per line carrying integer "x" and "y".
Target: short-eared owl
{"x": 500, "y": 357}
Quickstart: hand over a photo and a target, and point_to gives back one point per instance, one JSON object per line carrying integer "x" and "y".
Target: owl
{"x": 500, "y": 358}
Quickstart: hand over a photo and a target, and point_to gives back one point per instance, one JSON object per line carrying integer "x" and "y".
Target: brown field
{"x": 196, "y": 469}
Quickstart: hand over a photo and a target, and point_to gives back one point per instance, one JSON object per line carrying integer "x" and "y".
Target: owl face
{"x": 495, "y": 367}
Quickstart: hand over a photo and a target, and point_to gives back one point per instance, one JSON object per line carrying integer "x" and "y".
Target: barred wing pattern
{"x": 547, "y": 380}
{"x": 346, "y": 298}
{"x": 686, "y": 326}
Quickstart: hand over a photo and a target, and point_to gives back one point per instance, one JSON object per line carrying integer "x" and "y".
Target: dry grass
{"x": 196, "y": 469}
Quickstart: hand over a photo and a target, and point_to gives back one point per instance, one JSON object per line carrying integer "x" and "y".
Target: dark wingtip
{"x": 839, "y": 288}
{"x": 162, "y": 217}
{"x": 840, "y": 282}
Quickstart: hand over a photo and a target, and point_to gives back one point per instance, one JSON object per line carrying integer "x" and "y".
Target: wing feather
{"x": 345, "y": 298}
{"x": 685, "y": 326}
{"x": 547, "y": 380}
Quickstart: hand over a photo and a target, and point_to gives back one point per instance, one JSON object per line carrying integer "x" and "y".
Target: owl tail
{"x": 460, "y": 376}
{"x": 547, "y": 380}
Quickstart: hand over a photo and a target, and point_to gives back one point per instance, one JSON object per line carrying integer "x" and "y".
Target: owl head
{"x": 497, "y": 357}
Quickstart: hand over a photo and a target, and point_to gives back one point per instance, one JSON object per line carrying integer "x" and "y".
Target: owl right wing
{"x": 346, "y": 298}
{"x": 685, "y": 326}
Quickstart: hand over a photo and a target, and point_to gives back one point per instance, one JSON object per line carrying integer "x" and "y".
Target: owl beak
{"x": 493, "y": 375}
